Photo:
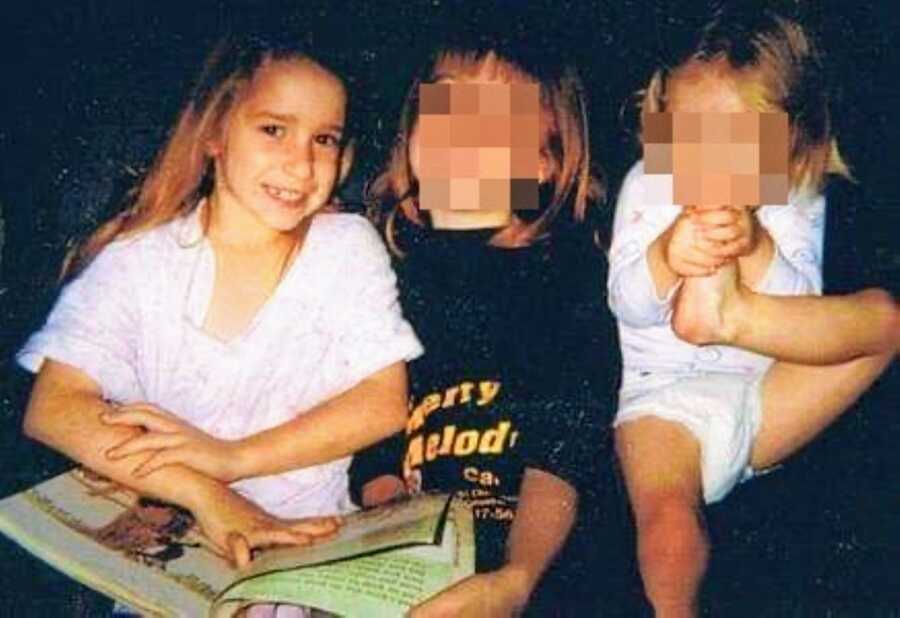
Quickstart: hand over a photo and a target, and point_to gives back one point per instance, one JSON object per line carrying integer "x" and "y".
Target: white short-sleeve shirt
{"x": 132, "y": 321}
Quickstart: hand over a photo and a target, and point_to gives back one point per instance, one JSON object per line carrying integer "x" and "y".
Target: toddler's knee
{"x": 887, "y": 311}
{"x": 671, "y": 528}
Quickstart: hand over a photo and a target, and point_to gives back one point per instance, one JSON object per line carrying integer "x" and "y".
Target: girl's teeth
{"x": 283, "y": 194}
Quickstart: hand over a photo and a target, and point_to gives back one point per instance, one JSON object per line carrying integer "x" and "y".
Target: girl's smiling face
{"x": 279, "y": 156}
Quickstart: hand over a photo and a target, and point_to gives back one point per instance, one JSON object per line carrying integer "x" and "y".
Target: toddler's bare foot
{"x": 706, "y": 308}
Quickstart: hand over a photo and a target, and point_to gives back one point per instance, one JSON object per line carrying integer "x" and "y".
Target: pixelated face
{"x": 477, "y": 142}
{"x": 717, "y": 149}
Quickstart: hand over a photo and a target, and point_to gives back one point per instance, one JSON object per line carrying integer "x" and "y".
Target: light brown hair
{"x": 777, "y": 66}
{"x": 575, "y": 184}
{"x": 182, "y": 172}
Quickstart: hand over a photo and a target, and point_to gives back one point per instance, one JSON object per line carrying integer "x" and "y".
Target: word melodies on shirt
{"x": 452, "y": 443}
{"x": 482, "y": 393}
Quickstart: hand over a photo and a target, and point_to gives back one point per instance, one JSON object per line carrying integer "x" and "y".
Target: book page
{"x": 379, "y": 585}
{"x": 143, "y": 553}
{"x": 407, "y": 522}
{"x": 151, "y": 555}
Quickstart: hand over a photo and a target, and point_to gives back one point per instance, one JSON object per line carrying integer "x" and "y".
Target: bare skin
{"x": 722, "y": 309}
{"x": 673, "y": 548}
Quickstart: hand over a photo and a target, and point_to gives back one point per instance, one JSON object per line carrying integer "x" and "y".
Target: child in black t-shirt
{"x": 510, "y": 402}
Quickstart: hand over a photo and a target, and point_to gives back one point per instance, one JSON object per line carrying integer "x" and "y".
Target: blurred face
{"x": 477, "y": 144}
{"x": 717, "y": 148}
{"x": 279, "y": 155}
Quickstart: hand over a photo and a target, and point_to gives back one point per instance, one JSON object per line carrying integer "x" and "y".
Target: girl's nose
{"x": 299, "y": 161}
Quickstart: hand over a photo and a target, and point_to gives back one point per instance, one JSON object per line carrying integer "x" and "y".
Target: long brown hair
{"x": 576, "y": 183}
{"x": 182, "y": 173}
{"x": 780, "y": 67}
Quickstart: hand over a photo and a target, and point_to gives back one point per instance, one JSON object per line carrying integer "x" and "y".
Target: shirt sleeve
{"x": 374, "y": 331}
{"x": 94, "y": 325}
{"x": 567, "y": 439}
{"x": 798, "y": 231}
{"x": 641, "y": 216}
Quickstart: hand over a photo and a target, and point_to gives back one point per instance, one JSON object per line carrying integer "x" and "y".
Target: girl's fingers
{"x": 162, "y": 458}
{"x": 145, "y": 442}
{"x": 152, "y": 420}
{"x": 238, "y": 549}
{"x": 271, "y": 537}
{"x": 142, "y": 406}
{"x": 316, "y": 526}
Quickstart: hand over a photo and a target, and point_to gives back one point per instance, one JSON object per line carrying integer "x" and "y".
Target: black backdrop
{"x": 91, "y": 87}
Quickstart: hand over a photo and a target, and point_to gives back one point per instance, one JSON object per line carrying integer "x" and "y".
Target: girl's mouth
{"x": 288, "y": 196}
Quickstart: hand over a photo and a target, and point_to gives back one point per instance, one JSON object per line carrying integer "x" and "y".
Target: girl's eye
{"x": 274, "y": 130}
{"x": 328, "y": 139}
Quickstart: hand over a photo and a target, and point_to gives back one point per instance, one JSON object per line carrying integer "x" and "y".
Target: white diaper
{"x": 722, "y": 411}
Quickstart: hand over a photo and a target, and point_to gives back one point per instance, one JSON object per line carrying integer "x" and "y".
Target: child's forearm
{"x": 370, "y": 411}
{"x": 64, "y": 413}
{"x": 664, "y": 278}
{"x": 544, "y": 517}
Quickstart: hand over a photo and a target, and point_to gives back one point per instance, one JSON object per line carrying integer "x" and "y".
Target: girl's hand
{"x": 498, "y": 594}
{"x": 169, "y": 440}
{"x": 687, "y": 251}
{"x": 236, "y": 526}
{"x": 732, "y": 230}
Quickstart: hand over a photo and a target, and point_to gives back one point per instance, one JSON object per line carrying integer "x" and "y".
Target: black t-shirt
{"x": 520, "y": 371}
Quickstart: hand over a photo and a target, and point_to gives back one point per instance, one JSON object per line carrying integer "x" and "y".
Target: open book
{"x": 151, "y": 556}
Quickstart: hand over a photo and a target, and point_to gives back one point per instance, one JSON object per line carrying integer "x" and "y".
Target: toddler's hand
{"x": 383, "y": 489}
{"x": 688, "y": 252}
{"x": 733, "y": 231}
{"x": 168, "y": 440}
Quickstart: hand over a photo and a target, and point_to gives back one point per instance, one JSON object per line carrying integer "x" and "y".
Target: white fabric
{"x": 722, "y": 411}
{"x": 132, "y": 322}
{"x": 713, "y": 391}
{"x": 646, "y": 337}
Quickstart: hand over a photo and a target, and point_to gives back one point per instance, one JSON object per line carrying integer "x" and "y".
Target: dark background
{"x": 90, "y": 89}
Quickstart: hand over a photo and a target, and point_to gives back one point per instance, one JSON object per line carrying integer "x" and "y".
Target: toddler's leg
{"x": 661, "y": 463}
{"x": 799, "y": 401}
{"x": 812, "y": 330}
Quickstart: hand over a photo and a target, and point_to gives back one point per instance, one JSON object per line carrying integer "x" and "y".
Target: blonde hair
{"x": 183, "y": 171}
{"x": 777, "y": 66}
{"x": 576, "y": 181}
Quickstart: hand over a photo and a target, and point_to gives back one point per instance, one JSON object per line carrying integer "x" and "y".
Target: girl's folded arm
{"x": 64, "y": 413}
{"x": 370, "y": 411}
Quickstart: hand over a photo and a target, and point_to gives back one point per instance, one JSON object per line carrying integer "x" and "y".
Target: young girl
{"x": 502, "y": 408}
{"x": 224, "y": 319}
{"x": 732, "y": 125}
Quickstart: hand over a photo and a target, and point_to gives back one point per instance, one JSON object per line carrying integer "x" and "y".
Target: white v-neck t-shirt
{"x": 132, "y": 321}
